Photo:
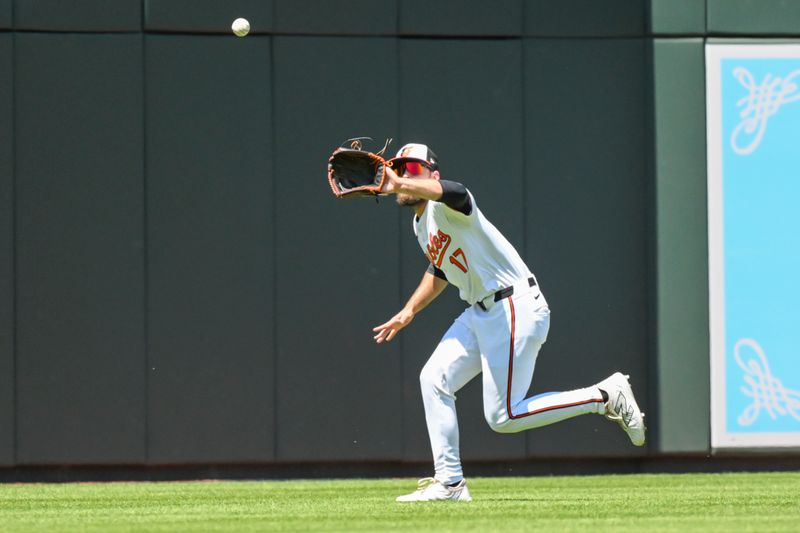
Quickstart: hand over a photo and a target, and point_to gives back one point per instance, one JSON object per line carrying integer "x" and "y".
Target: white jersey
{"x": 470, "y": 251}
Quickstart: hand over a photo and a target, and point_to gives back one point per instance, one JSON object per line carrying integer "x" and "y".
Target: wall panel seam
{"x": 523, "y": 167}
{"x": 650, "y": 222}
{"x": 275, "y": 255}
{"x": 14, "y": 269}
{"x": 145, "y": 255}
{"x": 399, "y": 220}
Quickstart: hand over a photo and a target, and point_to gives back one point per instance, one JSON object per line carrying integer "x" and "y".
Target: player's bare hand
{"x": 392, "y": 182}
{"x": 387, "y": 330}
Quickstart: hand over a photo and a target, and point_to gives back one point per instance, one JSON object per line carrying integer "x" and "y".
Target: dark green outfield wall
{"x": 680, "y": 244}
{"x": 178, "y": 285}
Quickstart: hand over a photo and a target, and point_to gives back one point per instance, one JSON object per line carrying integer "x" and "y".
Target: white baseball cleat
{"x": 430, "y": 489}
{"x": 621, "y": 407}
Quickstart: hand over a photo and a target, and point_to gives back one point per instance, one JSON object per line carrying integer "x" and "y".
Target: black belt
{"x": 505, "y": 293}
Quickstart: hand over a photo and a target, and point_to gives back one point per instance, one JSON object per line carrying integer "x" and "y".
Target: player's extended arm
{"x": 429, "y": 288}
{"x": 451, "y": 193}
{"x": 427, "y": 189}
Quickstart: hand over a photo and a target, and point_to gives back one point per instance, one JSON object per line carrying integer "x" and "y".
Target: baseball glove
{"x": 354, "y": 172}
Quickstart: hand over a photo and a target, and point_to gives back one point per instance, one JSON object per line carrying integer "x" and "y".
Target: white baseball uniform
{"x": 497, "y": 336}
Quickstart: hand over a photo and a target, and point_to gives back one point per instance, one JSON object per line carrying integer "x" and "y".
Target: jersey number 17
{"x": 437, "y": 249}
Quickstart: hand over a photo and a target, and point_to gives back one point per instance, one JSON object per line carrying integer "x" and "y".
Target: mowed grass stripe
{"x": 698, "y": 502}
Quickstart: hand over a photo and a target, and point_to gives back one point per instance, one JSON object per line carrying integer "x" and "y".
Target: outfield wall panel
{"x": 82, "y": 16}
{"x": 460, "y": 18}
{"x": 677, "y": 17}
{"x": 584, "y": 18}
{"x": 344, "y": 17}
{"x": 681, "y": 241}
{"x": 80, "y": 249}
{"x": 751, "y": 17}
{"x": 210, "y": 260}
{"x": 6, "y": 14}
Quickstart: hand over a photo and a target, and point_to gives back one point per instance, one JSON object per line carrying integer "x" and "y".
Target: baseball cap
{"x": 419, "y": 152}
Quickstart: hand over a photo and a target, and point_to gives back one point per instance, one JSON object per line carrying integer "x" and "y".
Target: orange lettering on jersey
{"x": 437, "y": 247}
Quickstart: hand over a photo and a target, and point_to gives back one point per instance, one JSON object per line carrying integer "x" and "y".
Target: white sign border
{"x": 715, "y": 53}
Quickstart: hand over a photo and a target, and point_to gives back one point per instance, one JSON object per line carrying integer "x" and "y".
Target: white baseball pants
{"x": 502, "y": 343}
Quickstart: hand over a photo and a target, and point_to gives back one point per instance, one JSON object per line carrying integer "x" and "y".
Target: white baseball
{"x": 240, "y": 27}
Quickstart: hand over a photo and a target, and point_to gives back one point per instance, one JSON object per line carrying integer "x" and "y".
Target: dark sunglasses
{"x": 414, "y": 168}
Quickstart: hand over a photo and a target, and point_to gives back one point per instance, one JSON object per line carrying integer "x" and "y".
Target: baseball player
{"x": 499, "y": 335}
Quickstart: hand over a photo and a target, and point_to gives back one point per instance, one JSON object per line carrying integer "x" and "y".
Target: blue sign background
{"x": 761, "y": 210}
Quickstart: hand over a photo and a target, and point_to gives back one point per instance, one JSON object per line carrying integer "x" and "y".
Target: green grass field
{"x": 699, "y": 502}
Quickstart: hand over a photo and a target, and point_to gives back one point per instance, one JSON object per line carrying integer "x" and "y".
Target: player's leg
{"x": 451, "y": 366}
{"x": 510, "y": 336}
{"x": 454, "y": 362}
